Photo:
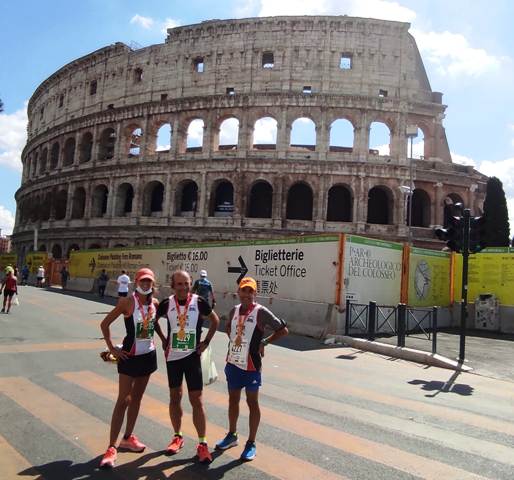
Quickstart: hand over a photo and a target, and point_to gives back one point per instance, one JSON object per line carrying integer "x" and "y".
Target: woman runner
{"x": 137, "y": 360}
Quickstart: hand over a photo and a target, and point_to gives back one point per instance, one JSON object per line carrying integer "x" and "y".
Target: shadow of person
{"x": 444, "y": 387}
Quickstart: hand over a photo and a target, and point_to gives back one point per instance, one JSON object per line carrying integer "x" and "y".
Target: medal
{"x": 241, "y": 326}
{"x": 182, "y": 317}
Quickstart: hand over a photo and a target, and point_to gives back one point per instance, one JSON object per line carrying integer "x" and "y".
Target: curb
{"x": 410, "y": 354}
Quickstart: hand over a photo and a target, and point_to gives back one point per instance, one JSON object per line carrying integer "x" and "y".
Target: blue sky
{"x": 467, "y": 48}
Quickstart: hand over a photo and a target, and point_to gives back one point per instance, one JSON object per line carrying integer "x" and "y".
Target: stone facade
{"x": 93, "y": 175}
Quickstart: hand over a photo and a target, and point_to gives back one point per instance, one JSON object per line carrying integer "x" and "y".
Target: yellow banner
{"x": 35, "y": 259}
{"x": 488, "y": 273}
{"x": 7, "y": 259}
{"x": 429, "y": 278}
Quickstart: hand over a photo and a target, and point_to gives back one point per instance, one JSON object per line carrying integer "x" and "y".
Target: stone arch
{"x": 85, "y": 147}
{"x": 42, "y": 248}
{"x": 153, "y": 196}
{"x": 54, "y": 156}
{"x": 186, "y": 198}
{"x": 195, "y": 135}
{"x": 69, "y": 152}
{"x": 339, "y": 204}
{"x": 379, "y": 138}
{"x": 43, "y": 160}
{"x": 124, "y": 199}
{"x": 60, "y": 204}
{"x": 303, "y": 134}
{"x": 300, "y": 202}
{"x": 106, "y": 144}
{"x": 94, "y": 246}
{"x": 222, "y": 199}
{"x": 420, "y": 208}
{"x": 228, "y": 134}
{"x": 78, "y": 203}
{"x": 380, "y": 205}
{"x": 163, "y": 138}
{"x": 135, "y": 136}
{"x": 265, "y": 132}
{"x": 341, "y": 135}
{"x": 260, "y": 200}
{"x": 35, "y": 164}
{"x": 99, "y": 201}
{"x": 46, "y": 206}
{"x": 57, "y": 251}
{"x": 449, "y": 203}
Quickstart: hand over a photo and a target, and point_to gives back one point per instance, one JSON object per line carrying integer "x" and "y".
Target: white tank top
{"x": 143, "y": 334}
{"x": 241, "y": 332}
{"x": 182, "y": 342}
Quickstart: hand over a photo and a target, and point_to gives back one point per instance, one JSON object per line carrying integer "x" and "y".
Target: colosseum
{"x": 248, "y": 110}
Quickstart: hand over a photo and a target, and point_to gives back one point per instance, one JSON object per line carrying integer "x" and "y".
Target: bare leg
{"x": 195, "y": 397}
{"x": 138, "y": 389}
{"x": 176, "y": 408}
{"x": 234, "y": 396}
{"x": 118, "y": 414}
{"x": 252, "y": 399}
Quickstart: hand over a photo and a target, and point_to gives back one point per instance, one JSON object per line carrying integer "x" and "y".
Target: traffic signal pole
{"x": 464, "y": 294}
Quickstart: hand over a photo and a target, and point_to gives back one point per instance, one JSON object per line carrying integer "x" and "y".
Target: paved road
{"x": 328, "y": 413}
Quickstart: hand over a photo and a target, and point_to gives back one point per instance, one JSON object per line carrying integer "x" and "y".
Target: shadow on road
{"x": 444, "y": 387}
{"x": 188, "y": 469}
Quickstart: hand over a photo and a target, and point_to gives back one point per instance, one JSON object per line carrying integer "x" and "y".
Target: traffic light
{"x": 453, "y": 235}
{"x": 477, "y": 233}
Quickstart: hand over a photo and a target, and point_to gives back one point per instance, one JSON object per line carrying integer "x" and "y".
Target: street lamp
{"x": 411, "y": 132}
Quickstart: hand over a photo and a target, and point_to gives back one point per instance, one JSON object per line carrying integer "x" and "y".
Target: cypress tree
{"x": 496, "y": 215}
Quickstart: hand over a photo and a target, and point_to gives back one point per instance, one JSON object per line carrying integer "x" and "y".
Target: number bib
{"x": 188, "y": 344}
{"x": 238, "y": 354}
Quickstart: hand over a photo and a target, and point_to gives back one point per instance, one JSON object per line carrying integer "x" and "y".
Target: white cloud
{"x": 452, "y": 54}
{"x": 265, "y": 131}
{"x": 169, "y": 23}
{"x": 229, "y": 132}
{"x": 144, "y": 22}
{"x": 13, "y": 136}
{"x": 6, "y": 220}
{"x": 195, "y": 133}
{"x": 463, "y": 160}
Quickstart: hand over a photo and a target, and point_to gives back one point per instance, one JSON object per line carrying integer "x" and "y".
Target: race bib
{"x": 238, "y": 354}
{"x": 187, "y": 344}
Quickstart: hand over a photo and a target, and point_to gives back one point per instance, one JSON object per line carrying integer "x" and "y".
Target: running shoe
{"x": 132, "y": 443}
{"x": 229, "y": 441}
{"x": 109, "y": 458}
{"x": 249, "y": 452}
{"x": 175, "y": 445}
{"x": 202, "y": 450}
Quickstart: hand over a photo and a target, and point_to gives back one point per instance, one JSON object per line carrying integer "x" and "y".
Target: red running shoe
{"x": 202, "y": 450}
{"x": 175, "y": 445}
{"x": 132, "y": 443}
{"x": 109, "y": 458}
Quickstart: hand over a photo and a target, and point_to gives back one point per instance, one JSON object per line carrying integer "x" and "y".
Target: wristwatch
{"x": 265, "y": 341}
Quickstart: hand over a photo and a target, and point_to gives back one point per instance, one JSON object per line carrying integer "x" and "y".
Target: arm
{"x": 267, "y": 319}
{"x": 274, "y": 336}
{"x": 161, "y": 312}
{"x": 212, "y": 293}
{"x": 122, "y": 308}
{"x": 213, "y": 326}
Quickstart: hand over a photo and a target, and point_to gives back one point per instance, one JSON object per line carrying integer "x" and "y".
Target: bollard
{"x": 402, "y": 314}
{"x": 434, "y": 330}
{"x": 347, "y": 318}
{"x": 372, "y": 317}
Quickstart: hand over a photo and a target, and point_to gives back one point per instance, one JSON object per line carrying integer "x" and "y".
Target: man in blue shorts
{"x": 245, "y": 328}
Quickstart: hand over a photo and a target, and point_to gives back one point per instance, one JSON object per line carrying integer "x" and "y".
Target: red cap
{"x": 143, "y": 273}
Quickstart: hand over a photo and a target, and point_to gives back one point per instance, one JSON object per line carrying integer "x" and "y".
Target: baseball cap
{"x": 248, "y": 282}
{"x": 143, "y": 273}
{"x": 203, "y": 273}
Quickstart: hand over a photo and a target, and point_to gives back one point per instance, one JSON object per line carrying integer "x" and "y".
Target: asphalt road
{"x": 327, "y": 413}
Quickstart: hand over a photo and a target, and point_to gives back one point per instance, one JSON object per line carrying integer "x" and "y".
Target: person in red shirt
{"x": 10, "y": 287}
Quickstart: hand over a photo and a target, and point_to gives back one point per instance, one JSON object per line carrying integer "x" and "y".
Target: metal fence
{"x": 400, "y": 320}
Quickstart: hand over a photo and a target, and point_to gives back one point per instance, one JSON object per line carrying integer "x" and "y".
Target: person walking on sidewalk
{"x": 245, "y": 328}
{"x": 185, "y": 312}
{"x": 103, "y": 278}
{"x": 10, "y": 287}
{"x": 64, "y": 276}
{"x": 203, "y": 287}
{"x": 40, "y": 276}
{"x": 137, "y": 360}
{"x": 123, "y": 284}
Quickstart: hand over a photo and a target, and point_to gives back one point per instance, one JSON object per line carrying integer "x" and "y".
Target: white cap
{"x": 203, "y": 273}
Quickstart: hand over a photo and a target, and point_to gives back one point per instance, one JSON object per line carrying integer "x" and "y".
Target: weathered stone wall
{"x": 81, "y": 163}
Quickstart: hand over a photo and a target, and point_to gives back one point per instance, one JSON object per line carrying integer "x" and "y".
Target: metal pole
{"x": 402, "y": 310}
{"x": 372, "y": 317}
{"x": 411, "y": 191}
{"x": 434, "y": 329}
{"x": 464, "y": 293}
{"x": 347, "y": 318}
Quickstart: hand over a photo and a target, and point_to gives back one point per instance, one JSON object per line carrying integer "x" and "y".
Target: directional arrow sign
{"x": 242, "y": 270}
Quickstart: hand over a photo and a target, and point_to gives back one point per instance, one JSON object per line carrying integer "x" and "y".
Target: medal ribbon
{"x": 182, "y": 317}
{"x": 240, "y": 323}
{"x": 146, "y": 318}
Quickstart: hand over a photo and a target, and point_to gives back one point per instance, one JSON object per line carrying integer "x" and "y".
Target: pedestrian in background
{"x": 64, "y": 276}
{"x": 203, "y": 288}
{"x": 103, "y": 278}
{"x": 10, "y": 287}
{"x": 25, "y": 274}
{"x": 123, "y": 284}
{"x": 40, "y": 276}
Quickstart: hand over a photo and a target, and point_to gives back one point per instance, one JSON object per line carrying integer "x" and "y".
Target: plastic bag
{"x": 209, "y": 372}
{"x": 15, "y": 300}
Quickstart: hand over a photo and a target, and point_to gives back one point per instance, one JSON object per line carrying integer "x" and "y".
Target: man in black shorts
{"x": 185, "y": 312}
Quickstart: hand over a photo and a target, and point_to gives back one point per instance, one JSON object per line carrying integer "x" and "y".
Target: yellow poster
{"x": 7, "y": 259}
{"x": 35, "y": 259}
{"x": 489, "y": 272}
{"x": 429, "y": 278}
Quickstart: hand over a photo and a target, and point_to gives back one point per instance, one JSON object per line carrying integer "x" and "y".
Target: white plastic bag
{"x": 15, "y": 300}
{"x": 209, "y": 372}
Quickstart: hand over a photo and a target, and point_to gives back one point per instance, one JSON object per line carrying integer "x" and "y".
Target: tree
{"x": 496, "y": 215}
